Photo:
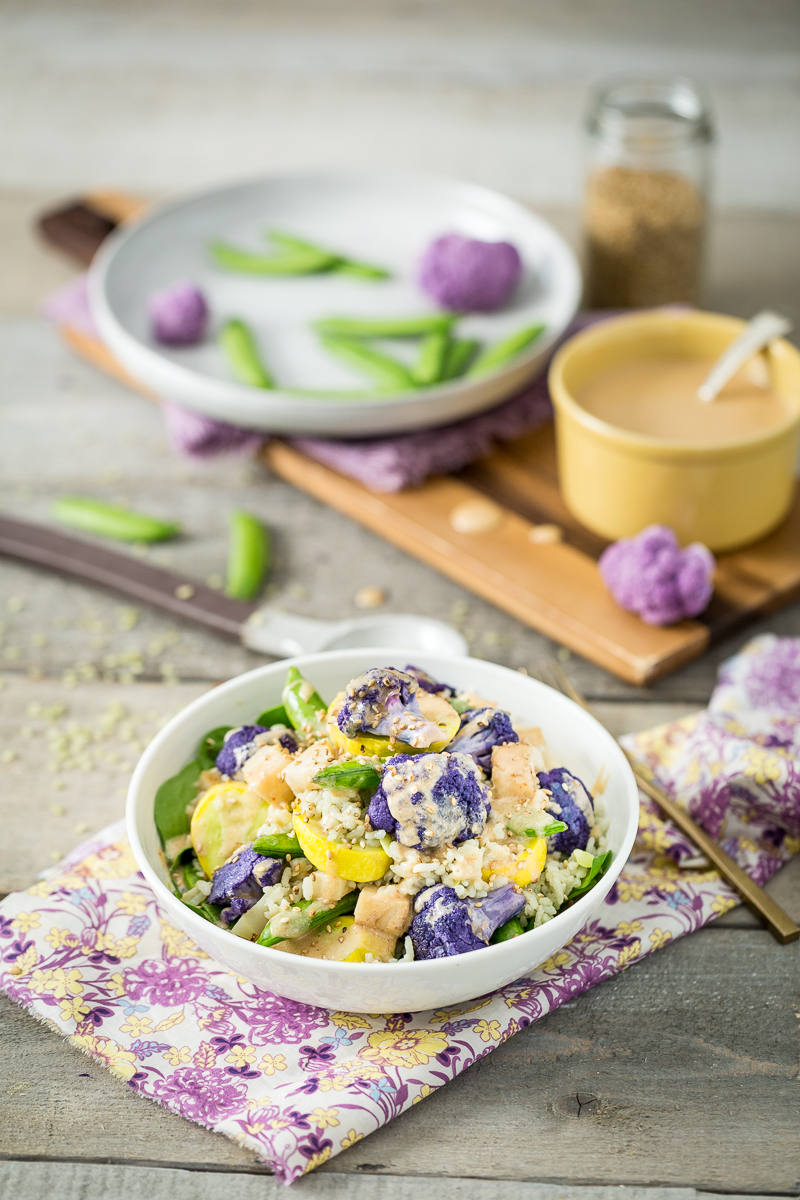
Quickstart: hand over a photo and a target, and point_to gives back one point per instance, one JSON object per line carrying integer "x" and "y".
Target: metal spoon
{"x": 757, "y": 334}
{"x": 283, "y": 635}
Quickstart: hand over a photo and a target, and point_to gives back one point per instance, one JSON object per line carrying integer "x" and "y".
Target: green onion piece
{"x": 242, "y": 356}
{"x": 305, "y": 707}
{"x": 274, "y": 716}
{"x": 503, "y": 352}
{"x": 341, "y": 265}
{"x": 389, "y": 374}
{"x": 111, "y": 521}
{"x": 349, "y": 775}
{"x": 600, "y": 864}
{"x": 248, "y": 556}
{"x": 505, "y": 933}
{"x": 387, "y": 327}
{"x": 547, "y": 831}
{"x": 278, "y": 845}
{"x": 171, "y": 802}
{"x": 459, "y": 354}
{"x": 210, "y": 745}
{"x": 460, "y": 704}
{"x": 306, "y": 262}
{"x": 315, "y": 917}
{"x": 430, "y": 365}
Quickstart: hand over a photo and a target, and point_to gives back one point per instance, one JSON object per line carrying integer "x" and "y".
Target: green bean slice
{"x": 248, "y": 556}
{"x": 305, "y": 706}
{"x": 349, "y": 775}
{"x": 112, "y": 521}
{"x": 241, "y": 353}
{"x": 504, "y": 351}
{"x": 383, "y": 370}
{"x": 306, "y": 262}
{"x": 388, "y": 327}
{"x": 341, "y": 265}
{"x": 459, "y": 355}
{"x": 433, "y": 353}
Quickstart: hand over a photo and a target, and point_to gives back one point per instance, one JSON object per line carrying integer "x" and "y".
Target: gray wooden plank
{"x": 96, "y": 1181}
{"x": 690, "y": 1054}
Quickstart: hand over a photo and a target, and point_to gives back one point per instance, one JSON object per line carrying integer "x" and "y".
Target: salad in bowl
{"x": 408, "y": 824}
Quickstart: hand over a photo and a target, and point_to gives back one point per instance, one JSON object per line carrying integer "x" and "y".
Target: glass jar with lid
{"x": 645, "y": 210}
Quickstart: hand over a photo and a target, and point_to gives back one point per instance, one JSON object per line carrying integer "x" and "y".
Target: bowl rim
{"x": 210, "y": 388}
{"x": 650, "y": 445}
{"x": 167, "y": 899}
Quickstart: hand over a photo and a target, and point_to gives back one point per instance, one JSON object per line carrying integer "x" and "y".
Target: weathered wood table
{"x": 679, "y": 1074}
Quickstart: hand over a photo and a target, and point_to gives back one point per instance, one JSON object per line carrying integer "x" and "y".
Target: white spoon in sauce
{"x": 757, "y": 334}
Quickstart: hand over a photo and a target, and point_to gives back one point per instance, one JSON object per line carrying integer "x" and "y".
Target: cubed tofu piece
{"x": 328, "y": 888}
{"x": 263, "y": 774}
{"x": 514, "y": 780}
{"x": 385, "y": 909}
{"x": 300, "y": 771}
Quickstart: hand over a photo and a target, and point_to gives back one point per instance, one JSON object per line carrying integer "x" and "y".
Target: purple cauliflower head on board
{"x": 239, "y": 882}
{"x": 428, "y": 684}
{"x": 481, "y": 729}
{"x": 444, "y": 924}
{"x": 652, "y": 576}
{"x": 384, "y": 702}
{"x": 178, "y": 315}
{"x": 570, "y": 802}
{"x": 430, "y": 800}
{"x": 239, "y": 744}
{"x": 466, "y": 275}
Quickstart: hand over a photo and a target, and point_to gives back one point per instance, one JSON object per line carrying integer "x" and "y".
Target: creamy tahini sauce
{"x": 411, "y": 802}
{"x": 659, "y": 398}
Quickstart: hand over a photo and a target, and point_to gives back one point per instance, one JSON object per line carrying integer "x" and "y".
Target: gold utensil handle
{"x": 779, "y": 923}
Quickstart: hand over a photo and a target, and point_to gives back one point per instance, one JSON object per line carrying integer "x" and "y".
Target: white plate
{"x": 573, "y": 737}
{"x": 385, "y": 220}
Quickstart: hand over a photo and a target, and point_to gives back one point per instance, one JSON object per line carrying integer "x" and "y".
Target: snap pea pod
{"x": 458, "y": 357}
{"x": 241, "y": 352}
{"x": 505, "y": 933}
{"x": 111, "y": 521}
{"x": 349, "y": 775}
{"x": 190, "y": 877}
{"x": 433, "y": 352}
{"x": 388, "y": 327}
{"x": 504, "y": 351}
{"x": 273, "y": 716}
{"x": 341, "y": 265}
{"x": 248, "y": 556}
{"x": 301, "y": 262}
{"x": 278, "y": 845}
{"x": 600, "y": 864}
{"x": 305, "y": 707}
{"x": 311, "y": 917}
{"x": 547, "y": 831}
{"x": 389, "y": 374}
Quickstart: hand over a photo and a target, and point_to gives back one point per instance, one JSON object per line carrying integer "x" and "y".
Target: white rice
{"x": 341, "y": 814}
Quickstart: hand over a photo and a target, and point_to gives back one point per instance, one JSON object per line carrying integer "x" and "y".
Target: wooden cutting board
{"x": 554, "y": 588}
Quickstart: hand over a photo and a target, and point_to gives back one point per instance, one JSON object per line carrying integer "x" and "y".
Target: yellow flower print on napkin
{"x": 25, "y": 922}
{"x": 350, "y": 1020}
{"x": 131, "y": 904}
{"x": 137, "y": 1026}
{"x": 341, "y": 1075}
{"x": 271, "y": 1063}
{"x": 124, "y": 947}
{"x": 61, "y": 939}
{"x": 556, "y": 961}
{"x": 660, "y": 937}
{"x": 121, "y": 1063}
{"x": 631, "y": 887}
{"x": 25, "y": 962}
{"x": 425, "y": 1091}
{"x": 317, "y": 1160}
{"x": 177, "y": 944}
{"x": 626, "y": 928}
{"x": 112, "y": 862}
{"x": 723, "y": 904}
{"x": 58, "y": 981}
{"x": 73, "y": 1009}
{"x": 324, "y": 1118}
{"x": 409, "y": 1048}
{"x": 116, "y": 984}
{"x": 350, "y": 1139}
{"x": 488, "y": 1031}
{"x": 241, "y": 1056}
{"x": 178, "y": 1056}
{"x": 627, "y": 954}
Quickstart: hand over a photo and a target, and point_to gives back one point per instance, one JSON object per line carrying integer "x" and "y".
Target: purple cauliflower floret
{"x": 428, "y": 684}
{"x": 650, "y": 575}
{"x": 237, "y": 748}
{"x": 481, "y": 729}
{"x": 430, "y": 800}
{"x": 178, "y": 315}
{"x": 384, "y": 702}
{"x": 239, "y": 882}
{"x": 444, "y": 924}
{"x": 572, "y": 803}
{"x": 289, "y": 742}
{"x": 465, "y": 275}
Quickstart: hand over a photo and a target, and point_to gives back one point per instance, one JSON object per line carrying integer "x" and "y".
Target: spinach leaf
{"x": 210, "y": 746}
{"x": 600, "y": 864}
{"x": 274, "y": 716}
{"x": 172, "y": 798}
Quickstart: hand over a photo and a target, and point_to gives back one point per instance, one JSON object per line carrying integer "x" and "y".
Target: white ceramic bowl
{"x": 574, "y": 738}
{"x": 382, "y": 219}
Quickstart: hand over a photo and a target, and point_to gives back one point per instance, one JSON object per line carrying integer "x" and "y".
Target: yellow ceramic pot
{"x": 616, "y": 482}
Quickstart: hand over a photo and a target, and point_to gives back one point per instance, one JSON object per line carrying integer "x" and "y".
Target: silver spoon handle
{"x": 757, "y": 334}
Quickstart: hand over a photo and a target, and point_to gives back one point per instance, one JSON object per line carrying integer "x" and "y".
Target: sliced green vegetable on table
{"x": 248, "y": 556}
{"x": 307, "y": 261}
{"x": 386, "y": 372}
{"x": 112, "y": 521}
{"x": 238, "y": 345}
{"x": 340, "y": 264}
{"x": 503, "y": 352}
{"x": 385, "y": 327}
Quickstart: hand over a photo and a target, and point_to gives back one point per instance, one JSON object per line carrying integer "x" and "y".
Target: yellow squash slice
{"x": 522, "y": 868}
{"x": 434, "y": 708}
{"x": 228, "y": 815}
{"x": 361, "y": 865}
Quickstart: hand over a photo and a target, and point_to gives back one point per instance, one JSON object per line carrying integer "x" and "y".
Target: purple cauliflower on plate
{"x": 652, "y": 576}
{"x": 481, "y": 729}
{"x": 570, "y": 802}
{"x": 444, "y": 924}
{"x": 466, "y": 275}
{"x": 428, "y": 684}
{"x": 239, "y": 744}
{"x": 178, "y": 315}
{"x": 239, "y": 882}
{"x": 384, "y": 702}
{"x": 430, "y": 800}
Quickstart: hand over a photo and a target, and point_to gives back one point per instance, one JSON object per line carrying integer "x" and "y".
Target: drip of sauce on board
{"x": 659, "y": 398}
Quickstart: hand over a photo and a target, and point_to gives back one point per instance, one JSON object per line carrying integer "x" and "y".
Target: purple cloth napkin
{"x": 386, "y": 464}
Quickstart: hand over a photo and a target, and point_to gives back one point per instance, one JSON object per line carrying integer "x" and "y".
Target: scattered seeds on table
{"x": 57, "y": 810}
{"x": 545, "y": 535}
{"x": 369, "y": 596}
{"x": 184, "y": 591}
{"x": 476, "y": 516}
{"x": 15, "y": 604}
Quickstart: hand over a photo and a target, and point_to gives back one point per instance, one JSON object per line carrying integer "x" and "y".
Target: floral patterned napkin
{"x": 88, "y": 950}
